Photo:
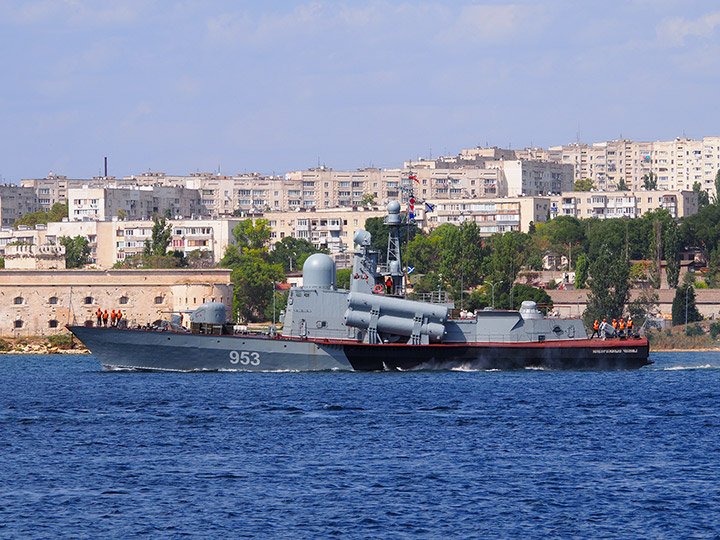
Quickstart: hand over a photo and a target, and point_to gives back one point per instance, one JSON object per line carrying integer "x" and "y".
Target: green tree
{"x": 702, "y": 229}
{"x": 56, "y": 213}
{"x": 581, "y": 271}
{"x": 622, "y": 185}
{"x": 684, "y": 305}
{"x": 290, "y": 252}
{"x": 2, "y": 262}
{"x": 526, "y": 292}
{"x": 713, "y": 276}
{"x": 508, "y": 254}
{"x": 609, "y": 286}
{"x": 716, "y": 197}
{"x": 343, "y": 278}
{"x": 671, "y": 248}
{"x": 703, "y": 198}
{"x": 159, "y": 241}
{"x": 253, "y": 279}
{"x": 650, "y": 181}
{"x": 368, "y": 199}
{"x": 424, "y": 252}
{"x": 645, "y": 305}
{"x": 253, "y": 234}
{"x": 462, "y": 257}
{"x": 584, "y": 184}
{"x": 77, "y": 251}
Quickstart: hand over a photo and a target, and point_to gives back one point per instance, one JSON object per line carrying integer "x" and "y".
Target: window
{"x": 123, "y": 300}
{"x": 158, "y": 299}
{"x": 53, "y": 324}
{"x": 18, "y": 300}
{"x": 17, "y": 324}
{"x": 88, "y": 300}
{"x": 53, "y": 300}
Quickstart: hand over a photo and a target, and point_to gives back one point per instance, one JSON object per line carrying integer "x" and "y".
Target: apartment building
{"x": 677, "y": 164}
{"x": 499, "y": 172}
{"x": 332, "y": 229}
{"x": 15, "y": 202}
{"x": 492, "y": 216}
{"x": 626, "y": 204}
{"x": 136, "y": 202}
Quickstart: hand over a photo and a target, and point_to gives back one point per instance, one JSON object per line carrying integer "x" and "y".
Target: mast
{"x": 394, "y": 258}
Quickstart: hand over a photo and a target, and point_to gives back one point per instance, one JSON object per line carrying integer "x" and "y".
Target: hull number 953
{"x": 245, "y": 358}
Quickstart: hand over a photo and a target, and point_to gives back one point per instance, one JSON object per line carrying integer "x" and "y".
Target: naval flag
{"x": 429, "y": 207}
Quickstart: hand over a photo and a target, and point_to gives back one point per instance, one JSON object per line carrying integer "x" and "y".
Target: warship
{"x": 370, "y": 327}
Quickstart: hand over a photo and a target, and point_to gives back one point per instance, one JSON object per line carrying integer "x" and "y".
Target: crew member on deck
{"x": 99, "y": 316}
{"x": 615, "y": 324}
{"x": 621, "y": 325}
{"x": 105, "y": 317}
{"x": 596, "y": 329}
{"x": 112, "y": 318}
{"x": 629, "y": 327}
{"x": 118, "y": 316}
{"x": 389, "y": 285}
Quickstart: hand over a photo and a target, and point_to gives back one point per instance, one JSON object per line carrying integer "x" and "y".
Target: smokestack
{"x": 105, "y": 166}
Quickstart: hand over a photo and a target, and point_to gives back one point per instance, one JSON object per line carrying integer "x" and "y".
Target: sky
{"x": 246, "y": 86}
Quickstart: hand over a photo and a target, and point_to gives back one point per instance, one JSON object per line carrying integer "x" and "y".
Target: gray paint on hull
{"x": 175, "y": 351}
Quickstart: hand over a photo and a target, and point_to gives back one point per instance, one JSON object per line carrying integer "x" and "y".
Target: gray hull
{"x": 177, "y": 351}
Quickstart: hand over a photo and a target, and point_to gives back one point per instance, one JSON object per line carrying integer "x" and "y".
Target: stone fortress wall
{"x": 42, "y": 302}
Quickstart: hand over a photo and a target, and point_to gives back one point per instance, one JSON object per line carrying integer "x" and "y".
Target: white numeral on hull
{"x": 245, "y": 358}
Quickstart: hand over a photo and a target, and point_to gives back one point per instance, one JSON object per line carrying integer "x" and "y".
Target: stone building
{"x": 35, "y": 257}
{"x": 42, "y": 302}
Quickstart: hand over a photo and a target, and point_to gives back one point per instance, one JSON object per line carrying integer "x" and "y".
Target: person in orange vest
{"x": 389, "y": 284}
{"x": 105, "y": 317}
{"x": 112, "y": 318}
{"x": 629, "y": 327}
{"x": 118, "y": 316}
{"x": 615, "y": 324}
{"x": 621, "y": 325}
{"x": 596, "y": 329}
{"x": 99, "y": 316}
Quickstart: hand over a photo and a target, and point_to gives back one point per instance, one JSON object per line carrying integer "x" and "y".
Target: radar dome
{"x": 319, "y": 271}
{"x": 393, "y": 210}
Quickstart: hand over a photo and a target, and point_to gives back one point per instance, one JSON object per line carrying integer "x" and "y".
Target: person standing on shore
{"x": 105, "y": 317}
{"x": 99, "y": 316}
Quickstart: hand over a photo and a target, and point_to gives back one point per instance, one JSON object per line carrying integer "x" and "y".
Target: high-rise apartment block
{"x": 16, "y": 201}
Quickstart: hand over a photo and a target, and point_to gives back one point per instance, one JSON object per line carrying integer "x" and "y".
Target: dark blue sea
{"x": 88, "y": 454}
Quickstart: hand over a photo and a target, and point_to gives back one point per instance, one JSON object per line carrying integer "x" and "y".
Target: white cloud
{"x": 674, "y": 31}
{"x": 491, "y": 23}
